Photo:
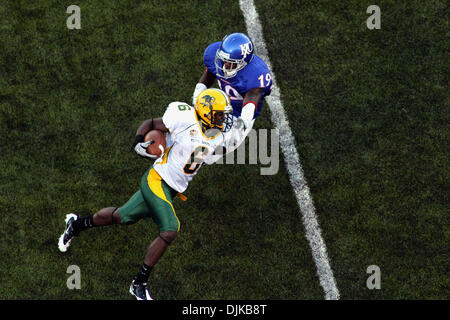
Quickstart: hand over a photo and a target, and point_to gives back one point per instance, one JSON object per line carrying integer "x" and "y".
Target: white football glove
{"x": 141, "y": 149}
{"x": 198, "y": 89}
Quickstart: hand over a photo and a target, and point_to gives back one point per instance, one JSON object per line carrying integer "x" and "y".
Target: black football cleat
{"x": 140, "y": 291}
{"x": 66, "y": 238}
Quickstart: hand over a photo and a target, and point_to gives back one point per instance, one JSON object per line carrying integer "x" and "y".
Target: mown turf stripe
{"x": 296, "y": 176}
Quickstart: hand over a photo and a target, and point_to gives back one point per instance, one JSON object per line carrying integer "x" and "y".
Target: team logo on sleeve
{"x": 246, "y": 49}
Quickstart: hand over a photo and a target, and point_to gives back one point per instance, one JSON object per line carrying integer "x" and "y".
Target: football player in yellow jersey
{"x": 193, "y": 136}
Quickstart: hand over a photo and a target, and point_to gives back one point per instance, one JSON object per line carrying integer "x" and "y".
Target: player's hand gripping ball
{"x": 158, "y": 145}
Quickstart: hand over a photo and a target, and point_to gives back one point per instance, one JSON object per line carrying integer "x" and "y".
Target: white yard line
{"x": 298, "y": 182}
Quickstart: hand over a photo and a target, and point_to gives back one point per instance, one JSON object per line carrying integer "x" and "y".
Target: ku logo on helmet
{"x": 246, "y": 49}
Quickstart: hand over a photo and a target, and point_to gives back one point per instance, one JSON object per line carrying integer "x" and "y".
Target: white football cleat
{"x": 66, "y": 238}
{"x": 140, "y": 291}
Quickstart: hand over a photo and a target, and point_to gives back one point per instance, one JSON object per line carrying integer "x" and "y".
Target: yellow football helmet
{"x": 214, "y": 109}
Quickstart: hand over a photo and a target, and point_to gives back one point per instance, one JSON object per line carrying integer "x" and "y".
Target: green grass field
{"x": 369, "y": 110}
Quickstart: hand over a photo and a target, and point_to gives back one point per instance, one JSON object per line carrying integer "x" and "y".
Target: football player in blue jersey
{"x": 243, "y": 75}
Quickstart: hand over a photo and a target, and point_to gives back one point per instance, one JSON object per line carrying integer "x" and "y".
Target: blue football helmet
{"x": 235, "y": 52}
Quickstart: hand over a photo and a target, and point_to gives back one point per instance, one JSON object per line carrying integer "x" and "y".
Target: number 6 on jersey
{"x": 195, "y": 161}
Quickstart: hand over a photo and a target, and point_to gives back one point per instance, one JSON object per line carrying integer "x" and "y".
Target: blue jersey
{"x": 256, "y": 74}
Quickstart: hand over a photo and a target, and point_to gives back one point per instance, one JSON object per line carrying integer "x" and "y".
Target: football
{"x": 160, "y": 142}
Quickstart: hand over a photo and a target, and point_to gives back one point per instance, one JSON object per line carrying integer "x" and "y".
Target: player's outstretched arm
{"x": 207, "y": 78}
{"x": 254, "y": 95}
{"x": 206, "y": 81}
{"x": 244, "y": 123}
{"x": 249, "y": 105}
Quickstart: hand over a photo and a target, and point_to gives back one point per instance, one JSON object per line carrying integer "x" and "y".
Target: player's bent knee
{"x": 168, "y": 236}
{"x": 116, "y": 217}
